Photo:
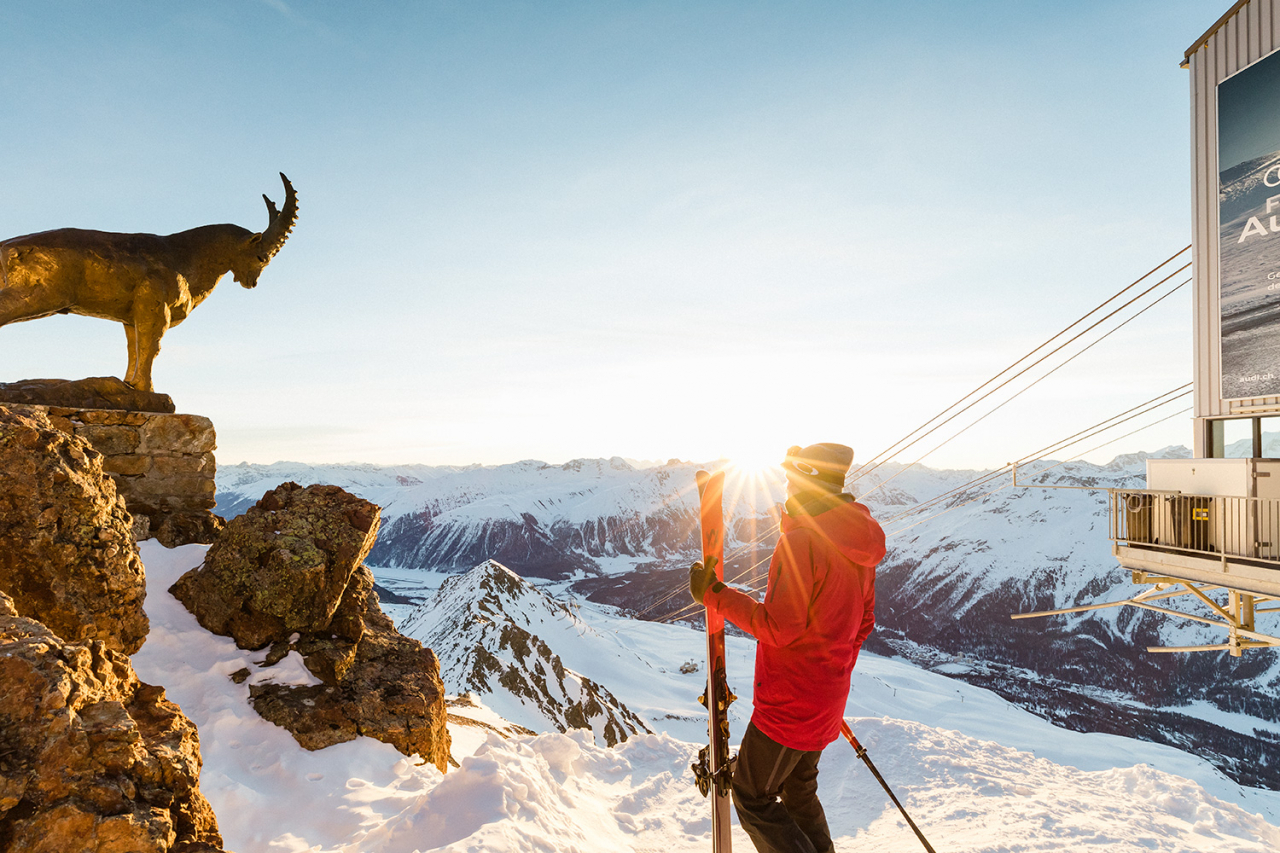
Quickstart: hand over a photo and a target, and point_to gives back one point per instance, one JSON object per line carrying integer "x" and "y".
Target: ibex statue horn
{"x": 147, "y": 282}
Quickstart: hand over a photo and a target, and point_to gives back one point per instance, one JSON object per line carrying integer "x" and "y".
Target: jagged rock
{"x": 183, "y": 528}
{"x": 283, "y": 566}
{"x": 92, "y": 759}
{"x": 385, "y": 686}
{"x": 289, "y": 573}
{"x": 95, "y": 392}
{"x": 67, "y": 555}
{"x": 481, "y": 622}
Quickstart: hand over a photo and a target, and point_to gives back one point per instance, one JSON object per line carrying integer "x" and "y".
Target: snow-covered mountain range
{"x": 955, "y": 573}
{"x": 948, "y": 587}
{"x": 590, "y": 515}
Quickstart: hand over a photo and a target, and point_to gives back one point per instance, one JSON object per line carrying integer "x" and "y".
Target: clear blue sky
{"x": 552, "y": 230}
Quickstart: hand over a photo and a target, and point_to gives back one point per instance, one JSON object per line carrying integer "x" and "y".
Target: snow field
{"x": 560, "y": 793}
{"x": 639, "y": 662}
{"x": 554, "y": 792}
{"x": 974, "y": 795}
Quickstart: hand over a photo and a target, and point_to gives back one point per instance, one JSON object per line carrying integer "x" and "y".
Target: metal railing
{"x": 1210, "y": 525}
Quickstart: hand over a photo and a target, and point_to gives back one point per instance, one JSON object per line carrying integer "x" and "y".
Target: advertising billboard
{"x": 1249, "y": 230}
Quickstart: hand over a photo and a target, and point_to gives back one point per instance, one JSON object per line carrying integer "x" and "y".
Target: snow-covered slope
{"x": 1005, "y": 781}
{"x": 487, "y": 627}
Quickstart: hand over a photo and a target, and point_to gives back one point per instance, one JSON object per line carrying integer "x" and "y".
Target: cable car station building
{"x": 1212, "y": 523}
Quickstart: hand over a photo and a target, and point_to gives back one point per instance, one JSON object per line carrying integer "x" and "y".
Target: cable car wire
{"x": 908, "y": 440}
{"x": 1084, "y": 434}
{"x": 1033, "y": 485}
{"x": 1000, "y": 406}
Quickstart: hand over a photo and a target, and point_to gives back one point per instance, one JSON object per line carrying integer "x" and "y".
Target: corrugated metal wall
{"x": 1252, "y": 32}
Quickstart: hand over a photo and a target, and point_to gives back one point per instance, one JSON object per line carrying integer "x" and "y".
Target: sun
{"x": 756, "y": 461}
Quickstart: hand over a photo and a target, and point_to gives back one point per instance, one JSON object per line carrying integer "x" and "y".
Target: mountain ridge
{"x": 481, "y": 625}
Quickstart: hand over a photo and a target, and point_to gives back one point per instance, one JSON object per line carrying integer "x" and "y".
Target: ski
{"x": 713, "y": 769}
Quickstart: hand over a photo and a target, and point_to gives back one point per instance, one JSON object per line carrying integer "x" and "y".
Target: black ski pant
{"x": 775, "y": 791}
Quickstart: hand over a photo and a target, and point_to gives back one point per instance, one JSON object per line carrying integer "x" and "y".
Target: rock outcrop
{"x": 283, "y": 566}
{"x": 96, "y": 392}
{"x": 385, "y": 686}
{"x": 289, "y": 573}
{"x": 162, "y": 465}
{"x": 90, "y": 757}
{"x": 67, "y": 555}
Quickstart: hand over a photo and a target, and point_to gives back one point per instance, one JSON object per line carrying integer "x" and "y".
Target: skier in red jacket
{"x": 818, "y": 609}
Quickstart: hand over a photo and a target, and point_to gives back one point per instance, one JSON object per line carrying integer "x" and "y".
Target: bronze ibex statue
{"x": 147, "y": 282}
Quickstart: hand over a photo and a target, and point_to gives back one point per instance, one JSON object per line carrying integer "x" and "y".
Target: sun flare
{"x": 755, "y": 462}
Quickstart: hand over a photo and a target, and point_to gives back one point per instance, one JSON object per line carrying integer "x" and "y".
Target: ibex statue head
{"x": 147, "y": 282}
{"x": 260, "y": 248}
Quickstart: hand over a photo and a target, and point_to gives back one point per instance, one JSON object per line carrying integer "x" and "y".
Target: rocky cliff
{"x": 67, "y": 556}
{"x": 92, "y": 759}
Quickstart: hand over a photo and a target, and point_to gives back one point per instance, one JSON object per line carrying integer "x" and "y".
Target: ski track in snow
{"x": 565, "y": 793}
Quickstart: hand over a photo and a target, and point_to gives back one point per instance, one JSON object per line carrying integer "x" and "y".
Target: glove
{"x": 700, "y": 579}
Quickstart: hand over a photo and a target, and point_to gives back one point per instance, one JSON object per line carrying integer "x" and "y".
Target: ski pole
{"x": 862, "y": 753}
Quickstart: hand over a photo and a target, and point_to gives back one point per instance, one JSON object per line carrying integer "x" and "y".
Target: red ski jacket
{"x": 817, "y": 611}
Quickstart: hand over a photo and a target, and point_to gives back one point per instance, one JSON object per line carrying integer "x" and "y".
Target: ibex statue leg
{"x": 131, "y": 340}
{"x": 147, "y": 331}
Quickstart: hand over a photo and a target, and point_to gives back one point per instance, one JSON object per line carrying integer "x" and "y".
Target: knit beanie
{"x": 822, "y": 465}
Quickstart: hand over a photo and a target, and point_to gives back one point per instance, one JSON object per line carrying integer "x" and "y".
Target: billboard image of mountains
{"x": 1249, "y": 230}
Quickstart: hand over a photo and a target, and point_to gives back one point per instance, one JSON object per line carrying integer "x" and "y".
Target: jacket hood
{"x": 841, "y": 522}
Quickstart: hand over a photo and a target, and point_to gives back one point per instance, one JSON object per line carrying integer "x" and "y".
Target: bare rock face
{"x": 486, "y": 624}
{"x": 384, "y": 686}
{"x": 96, "y": 392}
{"x": 67, "y": 555}
{"x": 183, "y": 528}
{"x": 290, "y": 573}
{"x": 283, "y": 566}
{"x": 92, "y": 759}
